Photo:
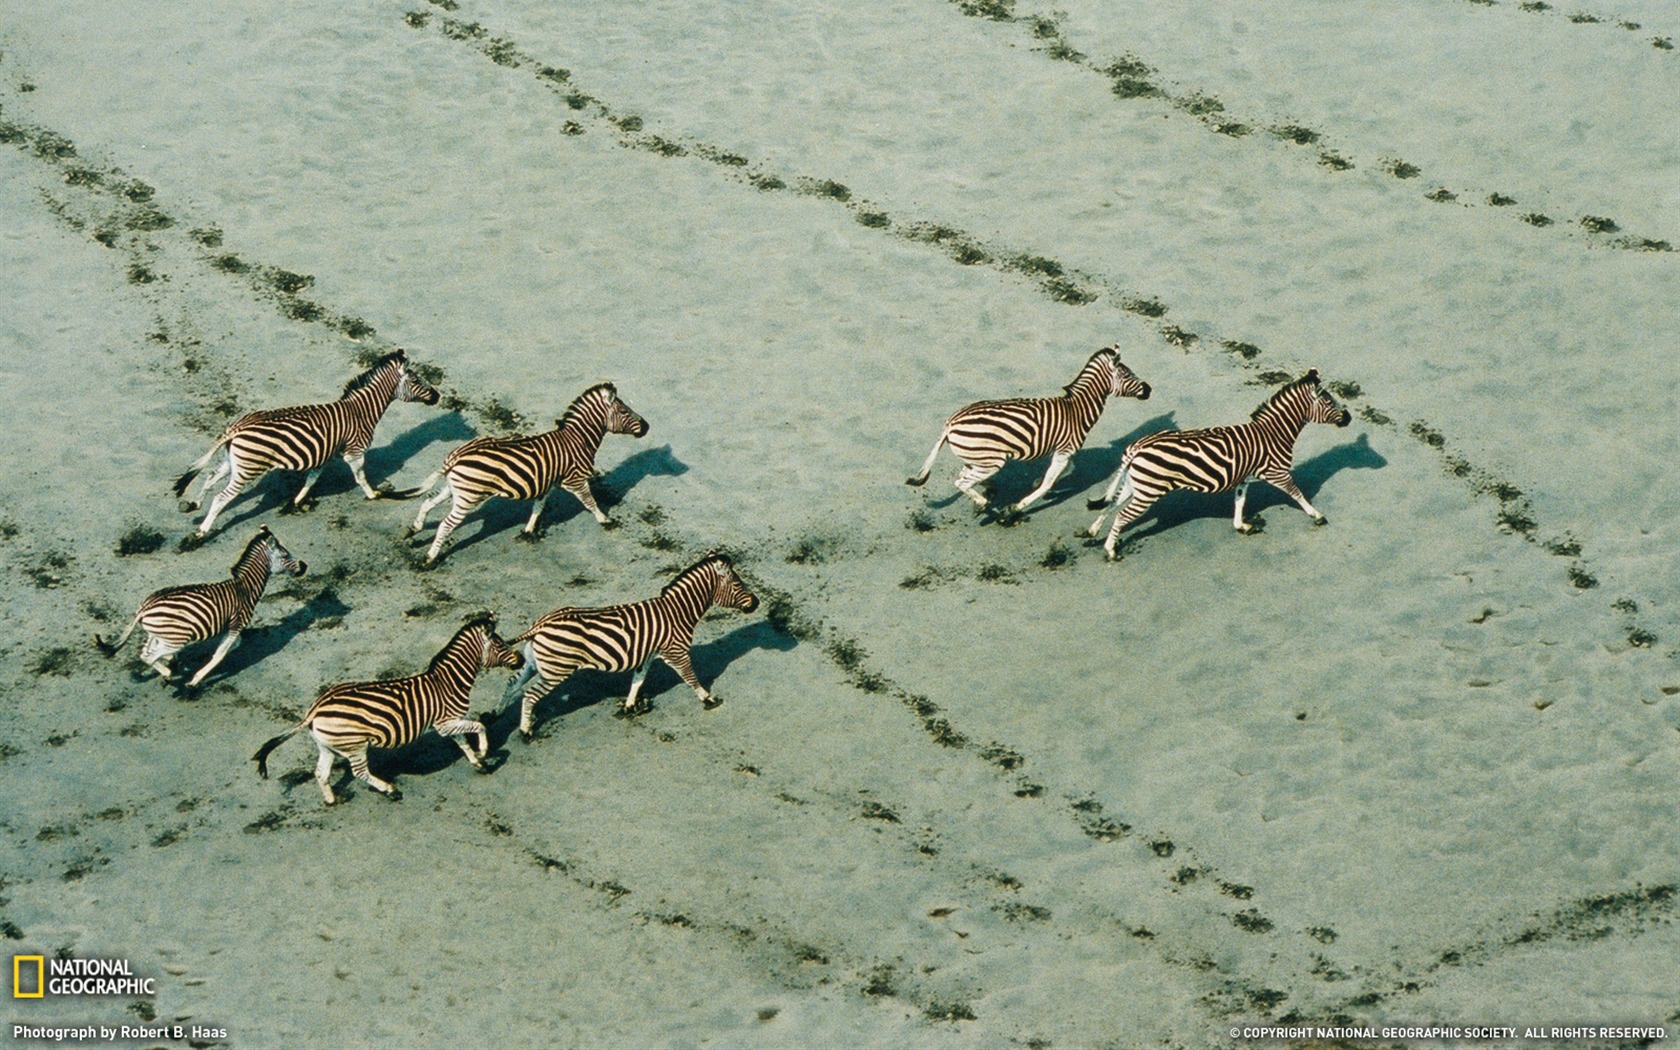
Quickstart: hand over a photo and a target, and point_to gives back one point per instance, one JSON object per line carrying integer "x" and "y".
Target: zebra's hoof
{"x": 1321, "y": 520}
{"x": 712, "y": 702}
{"x": 395, "y": 794}
{"x": 528, "y": 537}
{"x": 526, "y": 735}
{"x": 409, "y": 531}
{"x": 609, "y": 524}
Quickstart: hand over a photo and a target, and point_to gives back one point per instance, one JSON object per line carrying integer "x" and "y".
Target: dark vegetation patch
{"x": 139, "y": 539}
{"x": 1179, "y": 337}
{"x": 1598, "y": 224}
{"x": 1581, "y": 579}
{"x": 1057, "y": 556}
{"x": 875, "y": 811}
{"x": 1534, "y": 218}
{"x": 49, "y": 570}
{"x": 1441, "y": 195}
{"x": 57, "y": 662}
{"x": 1145, "y": 306}
{"x": 1400, "y": 169}
{"x": 1300, "y": 136}
{"x": 1500, "y": 200}
{"x": 1251, "y": 921}
{"x": 1016, "y": 911}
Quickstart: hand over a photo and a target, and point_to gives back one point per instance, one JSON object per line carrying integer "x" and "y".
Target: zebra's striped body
{"x": 348, "y": 719}
{"x": 628, "y": 637}
{"x": 306, "y": 437}
{"x": 528, "y": 468}
{"x": 987, "y": 434}
{"x": 176, "y": 617}
{"x": 1219, "y": 459}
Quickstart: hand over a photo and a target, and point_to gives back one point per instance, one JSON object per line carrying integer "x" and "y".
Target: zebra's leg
{"x": 210, "y": 481}
{"x": 1237, "y": 521}
{"x": 971, "y": 476}
{"x": 537, "y": 506}
{"x": 234, "y": 486}
{"x": 308, "y": 483}
{"x": 580, "y": 489}
{"x": 630, "y": 706}
{"x": 1126, "y": 494}
{"x": 355, "y": 464}
{"x": 1133, "y": 511}
{"x": 357, "y": 757}
{"x": 458, "y": 512}
{"x": 427, "y": 504}
{"x": 323, "y": 772}
{"x": 229, "y": 640}
{"x": 458, "y": 729}
{"x": 1058, "y": 463}
{"x": 521, "y": 676}
{"x": 678, "y": 658}
{"x": 157, "y": 653}
{"x": 535, "y": 691}
{"x": 1284, "y": 480}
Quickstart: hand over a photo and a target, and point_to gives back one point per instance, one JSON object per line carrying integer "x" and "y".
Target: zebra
{"x": 305, "y": 437}
{"x": 176, "y": 617}
{"x": 628, "y": 637}
{"x": 347, "y": 719}
{"x": 1219, "y": 459}
{"x": 987, "y": 433}
{"x": 528, "y": 468}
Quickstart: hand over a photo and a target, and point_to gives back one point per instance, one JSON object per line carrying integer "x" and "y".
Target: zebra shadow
{"x": 273, "y": 492}
{"x": 500, "y": 515}
{"x": 257, "y": 643}
{"x": 1089, "y": 466}
{"x": 589, "y": 688}
{"x": 1181, "y": 506}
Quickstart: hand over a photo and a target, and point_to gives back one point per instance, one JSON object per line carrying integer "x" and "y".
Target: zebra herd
{"x": 347, "y": 719}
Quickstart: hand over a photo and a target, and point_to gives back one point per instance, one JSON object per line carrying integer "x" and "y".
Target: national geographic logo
{"x": 36, "y": 977}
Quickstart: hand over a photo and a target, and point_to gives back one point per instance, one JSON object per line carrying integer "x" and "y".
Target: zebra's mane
{"x": 262, "y": 534}
{"x": 361, "y": 382}
{"x": 1310, "y": 379}
{"x": 1067, "y": 391}
{"x": 692, "y": 570}
{"x": 485, "y": 620}
{"x": 582, "y": 399}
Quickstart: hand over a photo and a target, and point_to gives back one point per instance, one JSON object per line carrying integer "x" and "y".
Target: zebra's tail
{"x": 921, "y": 478}
{"x": 184, "y": 480}
{"x": 429, "y": 484}
{"x": 261, "y": 757}
{"x": 1115, "y": 483}
{"x": 110, "y": 648}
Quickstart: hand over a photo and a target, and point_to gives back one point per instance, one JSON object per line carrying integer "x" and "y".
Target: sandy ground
{"x": 971, "y": 785}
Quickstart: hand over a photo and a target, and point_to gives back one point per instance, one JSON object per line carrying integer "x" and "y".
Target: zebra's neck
{"x": 251, "y": 574}
{"x": 585, "y": 422}
{"x": 691, "y": 594}
{"x": 1088, "y": 393}
{"x": 456, "y": 665}
{"x": 1281, "y": 418}
{"x": 371, "y": 399}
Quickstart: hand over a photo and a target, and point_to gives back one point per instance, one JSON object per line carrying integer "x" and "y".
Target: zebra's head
{"x": 410, "y": 387}
{"x": 494, "y": 651}
{"x": 729, "y": 591}
{"x": 1323, "y": 408}
{"x": 279, "y": 558}
{"x": 621, "y": 418}
{"x": 1123, "y": 382}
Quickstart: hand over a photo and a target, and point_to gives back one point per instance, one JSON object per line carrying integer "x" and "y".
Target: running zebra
{"x": 306, "y": 437}
{"x": 349, "y": 718}
{"x": 628, "y": 637}
{"x": 986, "y": 434}
{"x": 529, "y": 467}
{"x": 176, "y": 617}
{"x": 1219, "y": 459}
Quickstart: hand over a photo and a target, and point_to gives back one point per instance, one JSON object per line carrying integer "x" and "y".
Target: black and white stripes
{"x": 1218, "y": 459}
{"x": 528, "y": 468}
{"x": 176, "y": 617}
{"x": 987, "y": 434}
{"x": 306, "y": 437}
{"x": 347, "y": 719}
{"x": 628, "y": 637}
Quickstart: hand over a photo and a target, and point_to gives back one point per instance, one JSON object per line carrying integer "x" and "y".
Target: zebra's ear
{"x": 486, "y": 617}
{"x": 263, "y": 530}
{"x": 400, "y": 354}
{"x": 1311, "y": 376}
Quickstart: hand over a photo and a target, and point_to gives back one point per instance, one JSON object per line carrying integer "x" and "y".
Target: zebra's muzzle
{"x": 302, "y": 567}
{"x": 1143, "y": 395}
{"x": 1343, "y": 418}
{"x": 750, "y": 604}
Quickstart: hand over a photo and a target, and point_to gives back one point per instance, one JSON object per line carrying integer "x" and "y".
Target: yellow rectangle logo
{"x": 40, "y": 962}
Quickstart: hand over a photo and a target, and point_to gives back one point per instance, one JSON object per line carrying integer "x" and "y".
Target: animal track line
{"x": 1061, "y": 283}
{"x": 1134, "y": 79}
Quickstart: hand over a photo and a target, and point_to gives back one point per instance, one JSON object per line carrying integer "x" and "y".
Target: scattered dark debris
{"x": 139, "y": 539}
{"x": 1252, "y": 921}
{"x": 1581, "y": 578}
{"x": 1441, "y": 195}
{"x": 875, "y": 811}
{"x": 1400, "y": 169}
{"x": 1534, "y": 218}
